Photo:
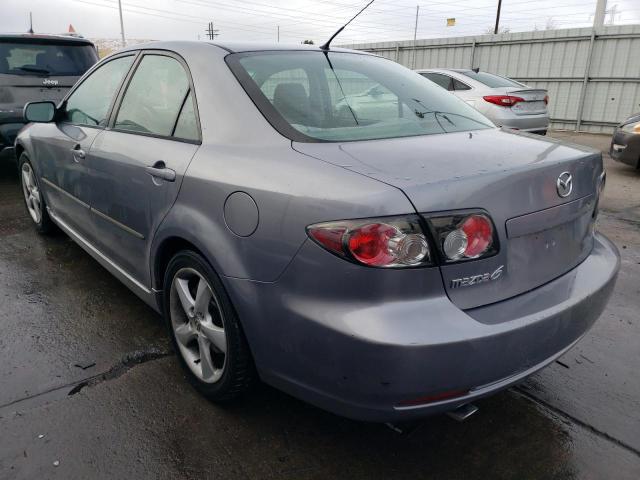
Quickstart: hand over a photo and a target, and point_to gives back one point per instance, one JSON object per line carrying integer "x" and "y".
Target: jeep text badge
{"x": 476, "y": 279}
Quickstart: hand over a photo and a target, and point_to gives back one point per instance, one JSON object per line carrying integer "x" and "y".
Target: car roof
{"x": 43, "y": 37}
{"x": 236, "y": 47}
{"x": 265, "y": 46}
{"x": 458, "y": 70}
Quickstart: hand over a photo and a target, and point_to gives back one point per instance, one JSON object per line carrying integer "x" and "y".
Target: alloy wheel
{"x": 31, "y": 193}
{"x": 198, "y": 325}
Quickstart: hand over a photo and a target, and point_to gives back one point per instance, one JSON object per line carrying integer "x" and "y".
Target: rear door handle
{"x": 78, "y": 153}
{"x": 160, "y": 170}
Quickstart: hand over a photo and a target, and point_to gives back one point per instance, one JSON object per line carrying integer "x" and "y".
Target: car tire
{"x": 208, "y": 341}
{"x": 33, "y": 199}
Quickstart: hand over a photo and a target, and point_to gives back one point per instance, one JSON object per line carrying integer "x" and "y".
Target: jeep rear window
{"x": 46, "y": 59}
{"x": 340, "y": 96}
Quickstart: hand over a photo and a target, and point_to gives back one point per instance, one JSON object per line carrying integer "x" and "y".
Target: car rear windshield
{"x": 46, "y": 59}
{"x": 491, "y": 80}
{"x": 337, "y": 96}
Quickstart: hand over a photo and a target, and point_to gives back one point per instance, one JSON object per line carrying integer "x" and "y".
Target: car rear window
{"x": 46, "y": 59}
{"x": 339, "y": 96}
{"x": 491, "y": 80}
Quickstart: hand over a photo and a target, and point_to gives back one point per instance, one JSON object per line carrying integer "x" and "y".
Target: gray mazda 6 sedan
{"x": 381, "y": 263}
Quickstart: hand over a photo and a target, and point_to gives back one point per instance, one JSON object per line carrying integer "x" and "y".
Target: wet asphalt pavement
{"x": 89, "y": 387}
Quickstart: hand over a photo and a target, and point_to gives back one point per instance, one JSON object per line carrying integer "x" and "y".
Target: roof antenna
{"x": 30, "y": 22}
{"x": 325, "y": 47}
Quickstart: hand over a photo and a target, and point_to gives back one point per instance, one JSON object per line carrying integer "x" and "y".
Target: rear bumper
{"x": 625, "y": 148}
{"x": 363, "y": 356}
{"x": 504, "y": 117}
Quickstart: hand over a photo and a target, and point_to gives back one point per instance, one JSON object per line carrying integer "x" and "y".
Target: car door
{"x": 136, "y": 165}
{"x": 63, "y": 148}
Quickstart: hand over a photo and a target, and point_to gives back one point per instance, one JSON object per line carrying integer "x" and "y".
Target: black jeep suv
{"x": 34, "y": 68}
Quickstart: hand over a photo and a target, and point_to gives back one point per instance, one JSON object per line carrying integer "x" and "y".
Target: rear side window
{"x": 491, "y": 80}
{"x": 443, "y": 80}
{"x": 458, "y": 85}
{"x": 46, "y": 59}
{"x": 90, "y": 102}
{"x": 154, "y": 96}
{"x": 187, "y": 125}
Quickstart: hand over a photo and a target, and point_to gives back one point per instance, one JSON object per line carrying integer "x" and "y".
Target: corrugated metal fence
{"x": 593, "y": 76}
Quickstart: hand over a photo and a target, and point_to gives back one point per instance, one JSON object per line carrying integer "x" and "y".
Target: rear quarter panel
{"x": 291, "y": 191}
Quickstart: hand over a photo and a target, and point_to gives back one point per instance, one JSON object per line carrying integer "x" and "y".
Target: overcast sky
{"x": 301, "y": 19}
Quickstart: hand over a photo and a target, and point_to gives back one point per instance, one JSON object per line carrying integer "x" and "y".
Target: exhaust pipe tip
{"x": 463, "y": 412}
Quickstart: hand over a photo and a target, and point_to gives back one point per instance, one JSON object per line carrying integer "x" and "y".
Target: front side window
{"x": 154, "y": 96}
{"x": 348, "y": 96}
{"x": 50, "y": 59}
{"x": 89, "y": 103}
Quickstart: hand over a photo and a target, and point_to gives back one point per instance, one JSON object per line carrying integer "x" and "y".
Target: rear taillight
{"x": 398, "y": 242}
{"x": 602, "y": 181}
{"x": 503, "y": 100}
{"x": 546, "y": 99}
{"x": 386, "y": 242}
{"x": 464, "y": 237}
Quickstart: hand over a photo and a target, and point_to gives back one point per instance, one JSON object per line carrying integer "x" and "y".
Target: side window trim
{"x": 123, "y": 89}
{"x": 177, "y": 119}
{"x": 125, "y": 85}
{"x": 99, "y": 65}
{"x": 450, "y": 84}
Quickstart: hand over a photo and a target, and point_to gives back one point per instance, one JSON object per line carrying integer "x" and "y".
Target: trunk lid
{"x": 533, "y": 104}
{"x": 510, "y": 175}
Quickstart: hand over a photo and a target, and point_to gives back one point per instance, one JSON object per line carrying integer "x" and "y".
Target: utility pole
{"x": 211, "y": 33}
{"x": 495, "y": 30}
{"x": 278, "y": 33}
{"x": 613, "y": 11}
{"x": 30, "y": 22}
{"x": 124, "y": 44}
{"x": 415, "y": 35}
{"x": 601, "y": 11}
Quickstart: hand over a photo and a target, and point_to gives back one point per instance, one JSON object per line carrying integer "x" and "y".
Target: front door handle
{"x": 160, "y": 170}
{"x": 78, "y": 153}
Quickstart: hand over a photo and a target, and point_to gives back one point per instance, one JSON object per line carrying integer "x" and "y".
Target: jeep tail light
{"x": 503, "y": 100}
{"x": 395, "y": 242}
{"x": 464, "y": 237}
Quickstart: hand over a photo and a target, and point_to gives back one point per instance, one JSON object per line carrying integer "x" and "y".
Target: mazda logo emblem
{"x": 564, "y": 185}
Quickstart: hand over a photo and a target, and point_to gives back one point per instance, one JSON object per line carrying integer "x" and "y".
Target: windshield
{"x": 311, "y": 96}
{"x": 491, "y": 80}
{"x": 46, "y": 59}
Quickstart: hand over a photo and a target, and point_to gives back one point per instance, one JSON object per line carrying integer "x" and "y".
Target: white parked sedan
{"x": 506, "y": 102}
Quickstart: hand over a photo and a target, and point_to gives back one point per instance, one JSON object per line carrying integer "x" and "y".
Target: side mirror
{"x": 40, "y": 112}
